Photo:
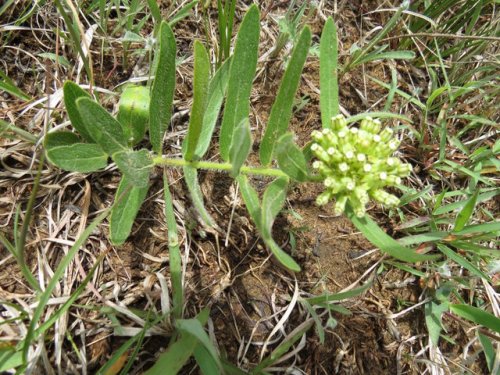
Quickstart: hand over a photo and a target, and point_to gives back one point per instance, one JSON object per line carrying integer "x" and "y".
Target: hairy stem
{"x": 263, "y": 171}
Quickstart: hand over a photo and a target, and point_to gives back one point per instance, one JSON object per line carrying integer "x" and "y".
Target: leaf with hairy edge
{"x": 216, "y": 92}
{"x": 72, "y": 92}
{"x": 290, "y": 158}
{"x": 200, "y": 93}
{"x": 191, "y": 178}
{"x": 128, "y": 201}
{"x": 105, "y": 130}
{"x": 328, "y": 74}
{"x": 136, "y": 165}
{"x": 281, "y": 111}
{"x": 285, "y": 259}
{"x": 272, "y": 201}
{"x": 465, "y": 214}
{"x": 240, "y": 146}
{"x": 162, "y": 93}
{"x": 63, "y": 138}
{"x": 77, "y": 157}
{"x": 241, "y": 75}
{"x": 384, "y": 242}
{"x": 251, "y": 200}
{"x": 133, "y": 113}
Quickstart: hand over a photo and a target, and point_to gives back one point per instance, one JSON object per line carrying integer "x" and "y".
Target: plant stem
{"x": 263, "y": 171}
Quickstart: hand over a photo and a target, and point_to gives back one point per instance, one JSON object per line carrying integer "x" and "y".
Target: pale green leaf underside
{"x": 133, "y": 113}
{"x": 72, "y": 92}
{"x": 136, "y": 165}
{"x": 191, "y": 178}
{"x": 128, "y": 201}
{"x": 290, "y": 158}
{"x": 78, "y": 157}
{"x": 328, "y": 74}
{"x": 240, "y": 146}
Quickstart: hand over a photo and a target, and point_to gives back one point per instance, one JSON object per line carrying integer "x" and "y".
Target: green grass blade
{"x": 176, "y": 356}
{"x": 58, "y": 273}
{"x": 72, "y": 92}
{"x": 175, "y": 260}
{"x": 20, "y": 133}
{"x": 216, "y": 92}
{"x": 389, "y": 55}
{"x": 325, "y": 299}
{"x": 474, "y": 270}
{"x": 465, "y": 214}
{"x": 385, "y": 243}
{"x": 195, "y": 329}
{"x": 200, "y": 89}
{"x": 7, "y": 85}
{"x": 241, "y": 146}
{"x": 477, "y": 316}
{"x": 155, "y": 10}
{"x": 128, "y": 201}
{"x": 281, "y": 111}
{"x": 182, "y": 13}
{"x": 191, "y": 178}
{"x": 241, "y": 75}
{"x": 208, "y": 366}
{"x": 162, "y": 93}
{"x": 328, "y": 73}
{"x": 104, "y": 129}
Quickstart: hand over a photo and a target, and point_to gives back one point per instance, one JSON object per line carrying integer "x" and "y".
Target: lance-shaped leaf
{"x": 281, "y": 111}
{"x": 72, "y": 92}
{"x": 162, "y": 93}
{"x": 105, "y": 130}
{"x": 133, "y": 113}
{"x": 240, "y": 146}
{"x": 328, "y": 74}
{"x": 65, "y": 150}
{"x": 200, "y": 97}
{"x": 128, "y": 201}
{"x": 291, "y": 160}
{"x": 191, "y": 178}
{"x": 136, "y": 165}
{"x": 270, "y": 209}
{"x": 241, "y": 75}
{"x": 216, "y": 92}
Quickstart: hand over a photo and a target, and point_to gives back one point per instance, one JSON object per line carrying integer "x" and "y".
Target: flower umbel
{"x": 357, "y": 164}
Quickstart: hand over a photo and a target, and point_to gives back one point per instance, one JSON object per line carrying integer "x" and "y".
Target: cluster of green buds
{"x": 356, "y": 164}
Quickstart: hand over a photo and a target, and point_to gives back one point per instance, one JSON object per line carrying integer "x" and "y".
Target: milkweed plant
{"x": 355, "y": 164}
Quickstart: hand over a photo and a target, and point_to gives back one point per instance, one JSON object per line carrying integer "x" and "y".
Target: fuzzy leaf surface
{"x": 240, "y": 146}
{"x": 291, "y": 160}
{"x": 136, "y": 165}
{"x": 72, "y": 92}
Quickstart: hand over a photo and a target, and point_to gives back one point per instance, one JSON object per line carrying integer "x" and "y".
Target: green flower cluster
{"x": 356, "y": 164}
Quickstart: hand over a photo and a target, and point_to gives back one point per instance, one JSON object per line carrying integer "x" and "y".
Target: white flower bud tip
{"x": 383, "y": 176}
{"x": 354, "y": 130}
{"x": 329, "y": 182}
{"x": 350, "y": 185}
{"x": 376, "y": 138}
{"x": 317, "y": 164}
{"x": 349, "y": 154}
{"x": 361, "y": 157}
{"x": 367, "y": 167}
{"x": 391, "y": 162}
{"x": 331, "y": 151}
{"x": 343, "y": 167}
{"x": 314, "y": 147}
{"x": 342, "y": 134}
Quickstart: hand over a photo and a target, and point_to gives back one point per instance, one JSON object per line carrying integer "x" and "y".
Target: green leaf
{"x": 216, "y": 92}
{"x": 104, "y": 129}
{"x": 208, "y": 366}
{"x": 191, "y": 178}
{"x": 10, "y": 359}
{"x": 195, "y": 328}
{"x": 477, "y": 316}
{"x": 176, "y": 356}
{"x": 385, "y": 243}
{"x": 462, "y": 262}
{"x": 291, "y": 160}
{"x": 182, "y": 13}
{"x": 162, "y": 94}
{"x": 251, "y": 199}
{"x": 7, "y": 85}
{"x": 272, "y": 201}
{"x": 240, "y": 146}
{"x": 328, "y": 74}
{"x": 133, "y": 113}
{"x": 175, "y": 260}
{"x": 394, "y": 55}
{"x": 200, "y": 89}
{"x": 136, "y": 165}
{"x": 76, "y": 157}
{"x": 326, "y": 299}
{"x": 72, "y": 92}
{"x": 465, "y": 214}
{"x": 55, "y": 58}
{"x": 488, "y": 350}
{"x": 281, "y": 111}
{"x": 61, "y": 138}
{"x": 241, "y": 75}
{"x": 433, "y": 313}
{"x": 128, "y": 201}
{"x": 252, "y": 203}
